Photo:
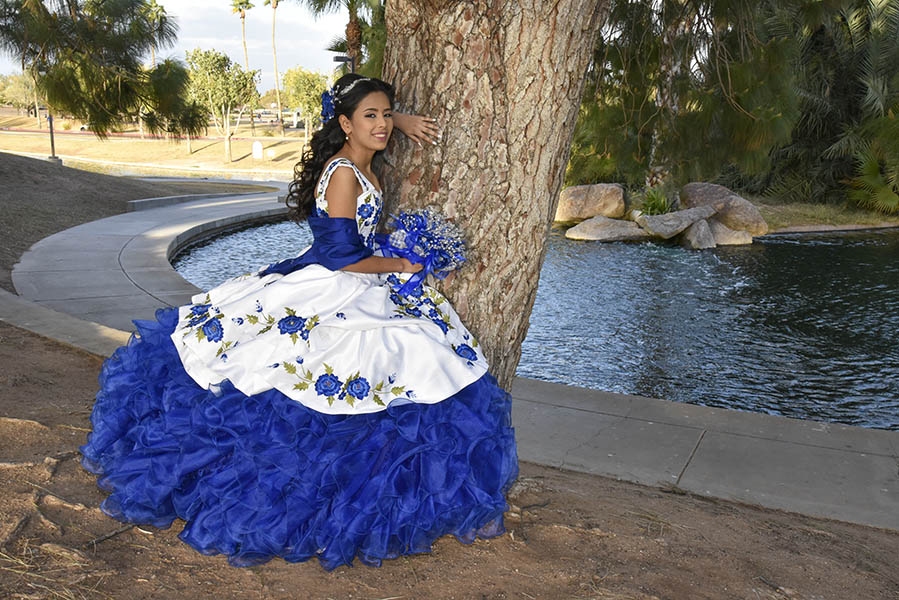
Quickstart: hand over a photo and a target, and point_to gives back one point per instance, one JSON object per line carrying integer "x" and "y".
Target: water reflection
{"x": 802, "y": 326}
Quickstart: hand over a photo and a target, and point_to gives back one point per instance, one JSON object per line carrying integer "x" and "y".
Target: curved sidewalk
{"x": 105, "y": 273}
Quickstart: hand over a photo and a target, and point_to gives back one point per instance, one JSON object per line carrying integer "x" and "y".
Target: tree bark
{"x": 504, "y": 79}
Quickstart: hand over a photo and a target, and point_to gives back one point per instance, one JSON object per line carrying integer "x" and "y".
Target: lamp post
{"x": 347, "y": 59}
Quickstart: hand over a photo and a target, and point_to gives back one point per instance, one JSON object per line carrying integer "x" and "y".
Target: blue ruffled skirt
{"x": 255, "y": 477}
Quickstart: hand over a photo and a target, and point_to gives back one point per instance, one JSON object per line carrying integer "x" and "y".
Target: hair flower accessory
{"x": 427, "y": 238}
{"x": 327, "y": 105}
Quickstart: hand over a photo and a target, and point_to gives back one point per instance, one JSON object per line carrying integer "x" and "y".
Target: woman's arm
{"x": 341, "y": 197}
{"x": 417, "y": 128}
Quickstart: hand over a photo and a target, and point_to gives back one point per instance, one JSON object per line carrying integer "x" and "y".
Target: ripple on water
{"x": 797, "y": 325}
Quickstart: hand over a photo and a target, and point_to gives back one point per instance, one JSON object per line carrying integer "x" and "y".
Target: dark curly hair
{"x": 327, "y": 141}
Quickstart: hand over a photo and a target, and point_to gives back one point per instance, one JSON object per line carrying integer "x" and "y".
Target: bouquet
{"x": 425, "y": 237}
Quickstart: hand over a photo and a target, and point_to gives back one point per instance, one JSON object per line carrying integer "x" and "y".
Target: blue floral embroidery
{"x": 415, "y": 312}
{"x": 213, "y": 331}
{"x": 258, "y": 307}
{"x": 200, "y": 309}
{"x": 358, "y": 388}
{"x": 340, "y": 315}
{"x": 327, "y": 385}
{"x": 291, "y": 324}
{"x": 365, "y": 211}
{"x": 237, "y": 320}
{"x": 441, "y": 324}
{"x": 466, "y": 352}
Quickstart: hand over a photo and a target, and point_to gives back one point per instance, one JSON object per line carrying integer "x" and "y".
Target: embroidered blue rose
{"x": 213, "y": 331}
{"x": 327, "y": 385}
{"x": 393, "y": 279}
{"x": 358, "y": 388}
{"x": 292, "y": 324}
{"x": 200, "y": 309}
{"x": 466, "y": 352}
{"x": 413, "y": 312}
{"x": 365, "y": 211}
{"x": 417, "y": 292}
{"x": 434, "y": 313}
{"x": 396, "y": 299}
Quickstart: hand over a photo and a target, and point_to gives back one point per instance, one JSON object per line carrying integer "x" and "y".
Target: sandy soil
{"x": 38, "y": 199}
{"x": 570, "y": 535}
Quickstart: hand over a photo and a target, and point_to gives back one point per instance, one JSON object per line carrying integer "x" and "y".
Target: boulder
{"x": 604, "y": 229}
{"x": 734, "y": 212}
{"x": 670, "y": 224}
{"x": 725, "y": 236}
{"x": 698, "y": 236}
{"x": 580, "y": 202}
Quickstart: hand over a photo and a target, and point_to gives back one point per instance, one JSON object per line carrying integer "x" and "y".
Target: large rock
{"x": 734, "y": 212}
{"x": 698, "y": 236}
{"x": 670, "y": 224}
{"x": 725, "y": 236}
{"x": 580, "y": 202}
{"x": 604, "y": 229}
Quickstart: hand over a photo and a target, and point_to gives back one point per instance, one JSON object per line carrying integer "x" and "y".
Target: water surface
{"x": 800, "y": 325}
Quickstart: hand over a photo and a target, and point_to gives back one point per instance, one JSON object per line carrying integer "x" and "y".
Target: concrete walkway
{"x": 105, "y": 273}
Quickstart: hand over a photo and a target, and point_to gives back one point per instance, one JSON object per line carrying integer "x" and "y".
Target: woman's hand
{"x": 407, "y": 266}
{"x": 417, "y": 128}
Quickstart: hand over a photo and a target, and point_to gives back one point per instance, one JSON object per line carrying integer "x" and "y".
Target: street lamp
{"x": 347, "y": 59}
{"x": 52, "y": 158}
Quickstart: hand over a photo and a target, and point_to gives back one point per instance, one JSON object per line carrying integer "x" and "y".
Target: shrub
{"x": 655, "y": 202}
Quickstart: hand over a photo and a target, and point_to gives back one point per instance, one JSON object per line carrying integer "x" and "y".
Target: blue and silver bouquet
{"x": 425, "y": 237}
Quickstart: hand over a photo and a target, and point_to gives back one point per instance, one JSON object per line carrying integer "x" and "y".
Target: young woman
{"x": 310, "y": 410}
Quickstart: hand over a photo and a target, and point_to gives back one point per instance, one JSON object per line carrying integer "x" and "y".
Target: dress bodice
{"x": 368, "y": 204}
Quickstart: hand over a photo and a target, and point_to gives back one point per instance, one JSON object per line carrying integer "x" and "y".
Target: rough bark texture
{"x": 504, "y": 79}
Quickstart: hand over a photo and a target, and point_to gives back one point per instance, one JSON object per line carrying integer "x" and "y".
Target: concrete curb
{"x": 116, "y": 269}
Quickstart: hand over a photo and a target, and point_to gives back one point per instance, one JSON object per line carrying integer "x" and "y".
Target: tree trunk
{"x": 226, "y": 118}
{"x": 246, "y": 64}
{"x": 189, "y": 149}
{"x": 277, "y": 84}
{"x": 504, "y": 80}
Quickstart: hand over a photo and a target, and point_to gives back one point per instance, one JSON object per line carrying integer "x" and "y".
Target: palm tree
{"x": 353, "y": 27}
{"x": 158, "y": 18}
{"x": 241, "y": 7}
{"x": 274, "y": 4}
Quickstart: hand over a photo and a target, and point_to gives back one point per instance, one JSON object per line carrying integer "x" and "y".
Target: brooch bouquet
{"x": 425, "y": 237}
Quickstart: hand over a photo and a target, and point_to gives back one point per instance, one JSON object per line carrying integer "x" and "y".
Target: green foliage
{"x": 222, "y": 85}
{"x": 684, "y": 88}
{"x": 303, "y": 88}
{"x": 86, "y": 57}
{"x": 845, "y": 142}
{"x": 655, "y": 202}
{"x": 17, "y": 90}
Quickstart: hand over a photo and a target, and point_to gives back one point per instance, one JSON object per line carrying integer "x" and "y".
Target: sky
{"x": 206, "y": 24}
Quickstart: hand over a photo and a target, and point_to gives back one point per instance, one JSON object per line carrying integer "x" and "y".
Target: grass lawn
{"x": 206, "y": 153}
{"x": 780, "y": 216}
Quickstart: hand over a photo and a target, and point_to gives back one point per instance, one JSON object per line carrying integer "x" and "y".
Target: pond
{"x": 800, "y": 325}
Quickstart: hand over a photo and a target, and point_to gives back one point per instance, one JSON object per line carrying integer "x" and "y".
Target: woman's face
{"x": 371, "y": 124}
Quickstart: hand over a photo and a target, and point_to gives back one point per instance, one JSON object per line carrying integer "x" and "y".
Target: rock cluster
{"x": 712, "y": 215}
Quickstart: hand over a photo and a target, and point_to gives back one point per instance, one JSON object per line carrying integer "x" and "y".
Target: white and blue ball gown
{"x": 305, "y": 411}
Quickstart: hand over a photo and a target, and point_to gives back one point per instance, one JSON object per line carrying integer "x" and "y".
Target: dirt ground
{"x": 569, "y": 535}
{"x": 38, "y": 199}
